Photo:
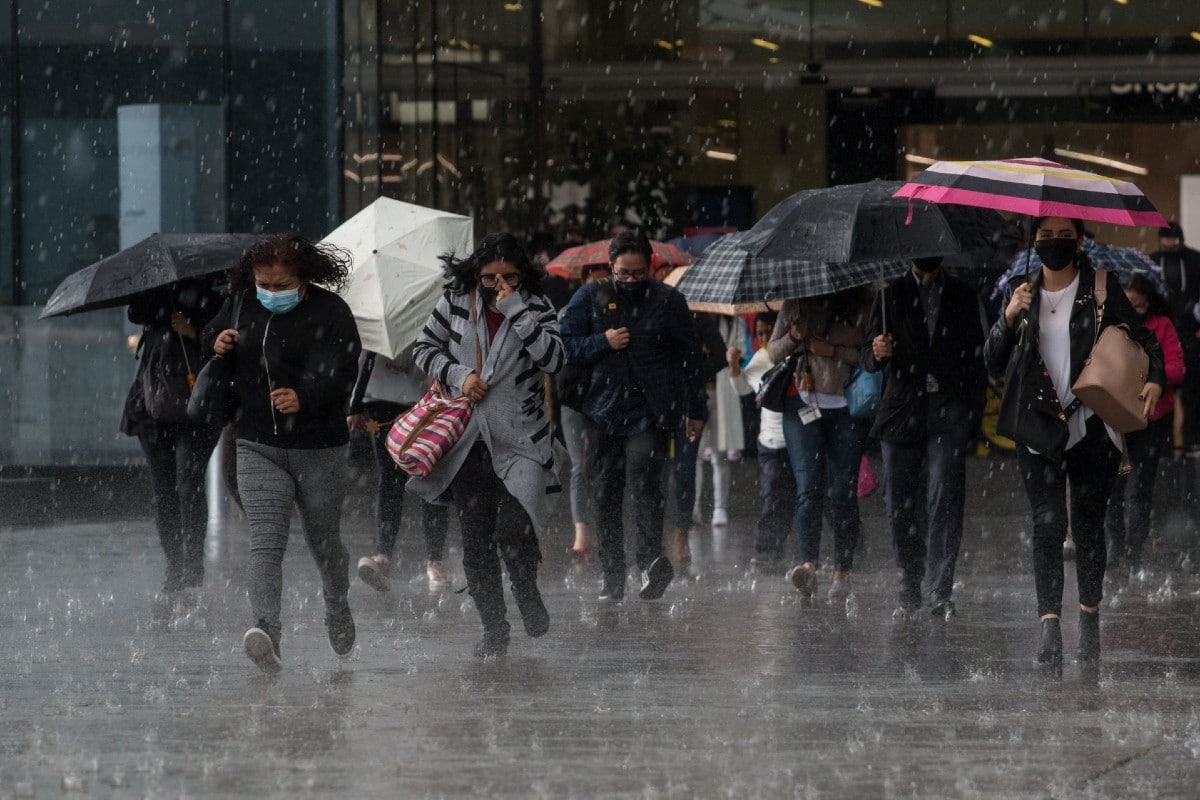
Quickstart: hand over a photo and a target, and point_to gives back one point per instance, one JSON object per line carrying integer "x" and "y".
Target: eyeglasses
{"x": 631, "y": 275}
{"x": 492, "y": 281}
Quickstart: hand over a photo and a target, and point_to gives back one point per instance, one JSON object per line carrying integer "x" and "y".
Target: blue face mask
{"x": 279, "y": 302}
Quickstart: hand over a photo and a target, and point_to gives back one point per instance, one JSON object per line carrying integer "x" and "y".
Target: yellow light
{"x": 720, "y": 155}
{"x": 664, "y": 44}
{"x": 1122, "y": 2}
{"x": 982, "y": 41}
{"x": 514, "y": 7}
{"x": 1196, "y": 35}
{"x": 872, "y": 3}
{"x": 773, "y": 59}
{"x": 763, "y": 43}
{"x": 915, "y": 159}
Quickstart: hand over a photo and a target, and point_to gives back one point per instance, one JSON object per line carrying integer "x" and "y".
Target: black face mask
{"x": 629, "y": 287}
{"x": 487, "y": 294}
{"x": 1056, "y": 254}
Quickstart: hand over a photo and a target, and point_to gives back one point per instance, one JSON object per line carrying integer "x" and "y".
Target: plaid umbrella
{"x": 728, "y": 275}
{"x": 729, "y": 309}
{"x": 1123, "y": 261}
{"x": 569, "y": 263}
{"x": 1035, "y": 187}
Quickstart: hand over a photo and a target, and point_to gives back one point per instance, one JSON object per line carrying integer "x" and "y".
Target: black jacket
{"x": 1030, "y": 412}
{"x": 312, "y": 349}
{"x": 1181, "y": 271}
{"x": 954, "y": 357}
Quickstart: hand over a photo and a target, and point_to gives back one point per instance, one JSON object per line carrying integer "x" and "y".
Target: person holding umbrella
{"x": 295, "y": 351}
{"x": 825, "y": 444}
{"x": 177, "y": 449}
{"x": 1040, "y": 343}
{"x": 931, "y": 350}
{"x": 492, "y": 337}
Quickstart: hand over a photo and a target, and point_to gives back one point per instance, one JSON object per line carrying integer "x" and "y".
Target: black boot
{"x": 529, "y": 602}
{"x": 1089, "y": 637}
{"x": 494, "y": 642}
{"x": 1050, "y": 652}
{"x": 488, "y": 593}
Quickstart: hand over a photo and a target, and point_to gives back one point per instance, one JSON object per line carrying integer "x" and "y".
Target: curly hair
{"x": 313, "y": 262}
{"x": 462, "y": 274}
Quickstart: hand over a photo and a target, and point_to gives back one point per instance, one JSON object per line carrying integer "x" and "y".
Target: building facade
{"x": 122, "y": 117}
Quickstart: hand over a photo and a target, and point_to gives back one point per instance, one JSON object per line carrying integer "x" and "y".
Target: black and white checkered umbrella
{"x": 728, "y": 275}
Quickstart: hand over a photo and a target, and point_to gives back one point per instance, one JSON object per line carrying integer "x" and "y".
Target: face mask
{"x": 279, "y": 302}
{"x": 1056, "y": 254}
{"x": 629, "y": 287}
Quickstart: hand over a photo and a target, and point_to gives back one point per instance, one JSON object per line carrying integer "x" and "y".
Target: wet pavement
{"x": 730, "y": 686}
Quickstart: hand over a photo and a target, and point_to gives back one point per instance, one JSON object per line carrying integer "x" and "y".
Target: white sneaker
{"x": 374, "y": 571}
{"x": 720, "y": 517}
{"x": 261, "y": 649}
{"x": 437, "y": 574}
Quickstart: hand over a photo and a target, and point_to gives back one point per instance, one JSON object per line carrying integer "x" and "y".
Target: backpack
{"x": 574, "y": 381}
{"x": 167, "y": 375}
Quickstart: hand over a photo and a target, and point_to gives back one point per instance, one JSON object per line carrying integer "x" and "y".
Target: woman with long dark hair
{"x": 295, "y": 349}
{"x": 1040, "y": 344}
{"x": 1128, "y": 520}
{"x": 492, "y": 338}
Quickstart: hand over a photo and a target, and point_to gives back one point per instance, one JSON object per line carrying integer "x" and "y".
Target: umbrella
{"x": 569, "y": 263}
{"x": 729, "y": 275}
{"x": 729, "y": 309}
{"x": 156, "y": 261}
{"x": 864, "y": 222}
{"x": 1034, "y": 187}
{"x": 397, "y": 277}
{"x": 1123, "y": 261}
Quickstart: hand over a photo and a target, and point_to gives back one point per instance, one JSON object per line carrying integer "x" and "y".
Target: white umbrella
{"x": 396, "y": 278}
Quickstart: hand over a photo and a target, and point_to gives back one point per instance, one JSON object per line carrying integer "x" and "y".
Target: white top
{"x": 1054, "y": 343}
{"x": 770, "y": 423}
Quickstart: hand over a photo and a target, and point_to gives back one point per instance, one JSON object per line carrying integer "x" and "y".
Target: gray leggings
{"x": 271, "y": 480}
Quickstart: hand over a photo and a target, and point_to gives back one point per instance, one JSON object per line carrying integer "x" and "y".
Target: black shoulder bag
{"x": 213, "y": 401}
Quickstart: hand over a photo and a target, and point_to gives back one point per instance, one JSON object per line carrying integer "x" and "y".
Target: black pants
{"x": 777, "y": 487}
{"x": 177, "y": 456}
{"x": 1090, "y": 467}
{"x": 643, "y": 455}
{"x": 389, "y": 491}
{"x": 495, "y": 526}
{"x": 1128, "y": 518}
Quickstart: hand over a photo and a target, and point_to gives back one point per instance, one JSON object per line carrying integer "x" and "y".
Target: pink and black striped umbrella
{"x": 1035, "y": 187}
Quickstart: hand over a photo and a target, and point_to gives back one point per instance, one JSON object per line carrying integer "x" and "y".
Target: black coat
{"x": 1030, "y": 412}
{"x": 312, "y": 349}
{"x": 954, "y": 356}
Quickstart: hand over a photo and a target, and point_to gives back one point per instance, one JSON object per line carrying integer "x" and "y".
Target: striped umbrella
{"x": 569, "y": 263}
{"x": 1035, "y": 187}
{"x": 727, "y": 275}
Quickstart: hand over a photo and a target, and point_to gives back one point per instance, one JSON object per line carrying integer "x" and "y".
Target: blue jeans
{"x": 927, "y": 538}
{"x": 825, "y": 453}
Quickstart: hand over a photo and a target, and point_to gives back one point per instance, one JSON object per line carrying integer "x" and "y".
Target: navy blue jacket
{"x": 659, "y": 377}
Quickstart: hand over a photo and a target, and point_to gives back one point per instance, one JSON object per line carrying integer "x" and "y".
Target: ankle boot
{"x": 494, "y": 643}
{"x": 488, "y": 593}
{"x": 1051, "y": 650}
{"x": 1089, "y": 636}
{"x": 529, "y": 603}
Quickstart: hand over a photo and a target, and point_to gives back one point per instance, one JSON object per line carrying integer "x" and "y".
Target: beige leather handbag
{"x": 1114, "y": 373}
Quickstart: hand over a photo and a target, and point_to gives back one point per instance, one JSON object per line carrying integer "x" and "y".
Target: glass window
{"x": 7, "y": 249}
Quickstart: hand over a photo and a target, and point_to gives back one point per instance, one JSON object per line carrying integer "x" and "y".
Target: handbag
{"x": 213, "y": 401}
{"x": 1114, "y": 373}
{"x": 167, "y": 379}
{"x": 863, "y": 390}
{"x": 773, "y": 389}
{"x": 424, "y": 434}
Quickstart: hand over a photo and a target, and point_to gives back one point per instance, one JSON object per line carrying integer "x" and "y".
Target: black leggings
{"x": 1090, "y": 467}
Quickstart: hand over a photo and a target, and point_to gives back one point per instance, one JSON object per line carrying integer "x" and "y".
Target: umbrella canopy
{"x": 1124, "y": 261}
{"x": 729, "y": 309}
{"x": 729, "y": 275}
{"x": 569, "y": 263}
{"x": 156, "y": 261}
{"x": 1035, "y": 187}
{"x": 397, "y": 277}
{"x": 864, "y": 222}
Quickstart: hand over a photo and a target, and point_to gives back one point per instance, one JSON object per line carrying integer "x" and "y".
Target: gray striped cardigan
{"x": 512, "y": 420}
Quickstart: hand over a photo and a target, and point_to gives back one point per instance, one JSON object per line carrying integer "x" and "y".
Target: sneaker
{"x": 437, "y": 574}
{"x": 262, "y": 649}
{"x": 375, "y": 571}
{"x": 341, "y": 631}
{"x": 720, "y": 517}
{"x": 839, "y": 587}
{"x": 613, "y": 591}
{"x": 656, "y": 578}
{"x": 804, "y": 579}
{"x": 944, "y": 609}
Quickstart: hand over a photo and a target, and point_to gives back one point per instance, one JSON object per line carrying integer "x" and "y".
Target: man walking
{"x": 932, "y": 351}
{"x": 1181, "y": 271}
{"x": 636, "y": 336}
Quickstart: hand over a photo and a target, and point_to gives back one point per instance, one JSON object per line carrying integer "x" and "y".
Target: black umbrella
{"x": 862, "y": 222}
{"x": 156, "y": 261}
